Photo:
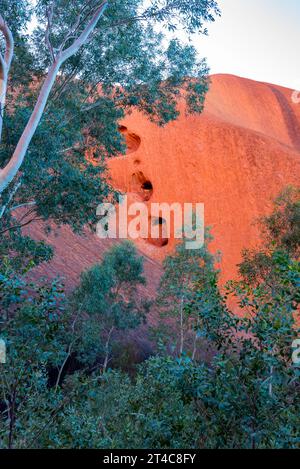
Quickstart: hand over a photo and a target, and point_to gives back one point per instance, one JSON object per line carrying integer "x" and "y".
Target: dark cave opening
{"x": 147, "y": 190}
{"x": 160, "y": 238}
{"x": 147, "y": 186}
{"x": 141, "y": 185}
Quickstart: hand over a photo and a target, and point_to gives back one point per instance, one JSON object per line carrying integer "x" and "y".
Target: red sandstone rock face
{"x": 234, "y": 158}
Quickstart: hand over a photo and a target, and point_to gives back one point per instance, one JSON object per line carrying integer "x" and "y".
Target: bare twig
{"x": 22, "y": 225}
{"x": 25, "y": 204}
{"x": 68, "y": 352}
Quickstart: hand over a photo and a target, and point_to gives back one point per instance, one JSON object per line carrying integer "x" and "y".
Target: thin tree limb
{"x": 15, "y": 227}
{"x": 5, "y": 63}
{"x": 11, "y": 196}
{"x": 106, "y": 360}
{"x": 25, "y": 204}
{"x": 48, "y": 31}
{"x": 81, "y": 40}
{"x": 9, "y": 42}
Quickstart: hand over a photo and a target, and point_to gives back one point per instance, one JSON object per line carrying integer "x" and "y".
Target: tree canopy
{"x": 76, "y": 69}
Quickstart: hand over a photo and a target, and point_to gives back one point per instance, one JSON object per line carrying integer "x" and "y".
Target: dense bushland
{"x": 215, "y": 379}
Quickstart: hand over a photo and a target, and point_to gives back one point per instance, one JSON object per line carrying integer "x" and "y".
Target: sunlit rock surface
{"x": 234, "y": 158}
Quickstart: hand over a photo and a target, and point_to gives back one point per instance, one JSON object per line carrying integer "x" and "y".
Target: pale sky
{"x": 258, "y": 39}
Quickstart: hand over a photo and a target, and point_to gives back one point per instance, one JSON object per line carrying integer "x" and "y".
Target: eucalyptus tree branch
{"x": 68, "y": 354}
{"x": 22, "y": 225}
{"x": 5, "y": 63}
{"x": 106, "y": 359}
{"x": 26, "y": 215}
{"x": 58, "y": 92}
{"x": 26, "y": 204}
{"x": 72, "y": 32}
{"x": 79, "y": 21}
{"x": 8, "y": 173}
{"x": 50, "y": 12}
{"x": 9, "y": 42}
{"x": 84, "y": 36}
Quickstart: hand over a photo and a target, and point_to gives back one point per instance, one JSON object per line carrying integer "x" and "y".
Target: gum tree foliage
{"x": 280, "y": 231}
{"x": 152, "y": 410}
{"x": 107, "y": 302}
{"x": 36, "y": 330}
{"x": 258, "y": 378}
{"x": 82, "y": 65}
{"x": 188, "y": 298}
{"x": 42, "y": 331}
{"x": 256, "y": 385}
{"x": 245, "y": 396}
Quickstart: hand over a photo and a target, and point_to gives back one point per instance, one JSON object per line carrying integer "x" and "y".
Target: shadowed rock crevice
{"x": 290, "y": 118}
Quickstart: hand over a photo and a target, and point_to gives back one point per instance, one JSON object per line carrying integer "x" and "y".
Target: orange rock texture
{"x": 234, "y": 158}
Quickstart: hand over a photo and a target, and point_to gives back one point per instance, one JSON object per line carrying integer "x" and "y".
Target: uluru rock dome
{"x": 235, "y": 158}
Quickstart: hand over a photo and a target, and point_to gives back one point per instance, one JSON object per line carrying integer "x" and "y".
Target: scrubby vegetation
{"x": 215, "y": 379}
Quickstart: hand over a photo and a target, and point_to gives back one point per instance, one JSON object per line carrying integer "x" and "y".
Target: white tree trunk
{"x": 8, "y": 173}
{"x": 13, "y": 166}
{"x": 5, "y": 63}
{"x": 3, "y": 88}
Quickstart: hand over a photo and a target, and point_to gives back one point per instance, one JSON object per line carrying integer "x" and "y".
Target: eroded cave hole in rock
{"x": 158, "y": 232}
{"x": 132, "y": 140}
{"x": 141, "y": 185}
{"x": 147, "y": 190}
